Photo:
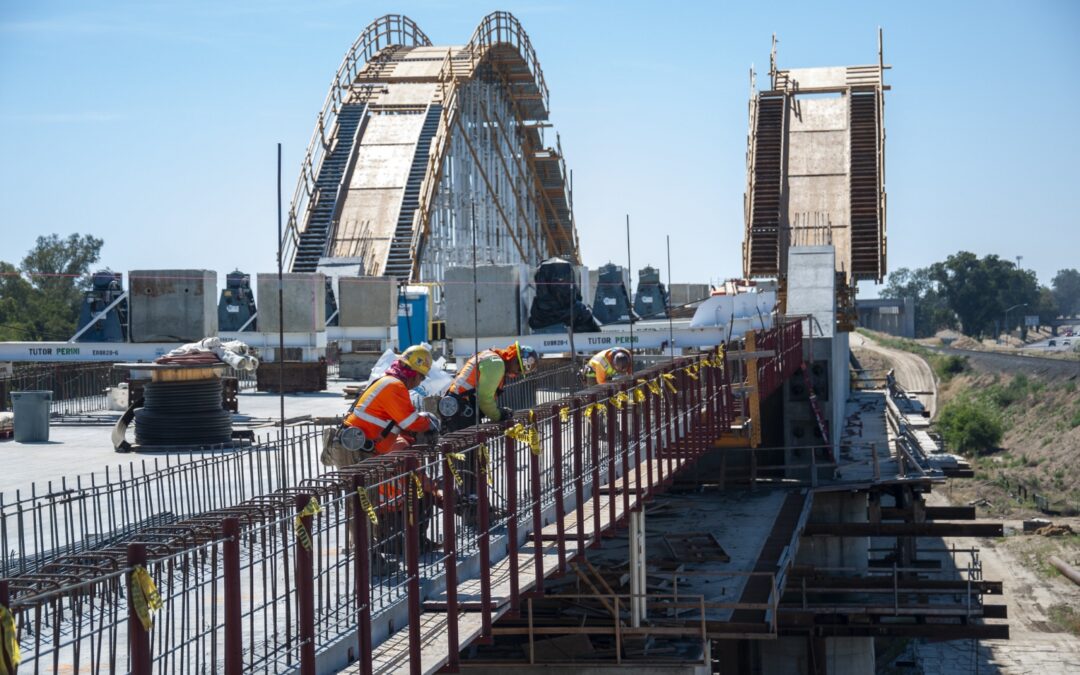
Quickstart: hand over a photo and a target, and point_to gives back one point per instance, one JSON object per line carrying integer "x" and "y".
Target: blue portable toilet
{"x": 412, "y": 317}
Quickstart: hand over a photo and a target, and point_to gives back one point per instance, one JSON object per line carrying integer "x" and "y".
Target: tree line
{"x": 40, "y": 298}
{"x": 982, "y": 296}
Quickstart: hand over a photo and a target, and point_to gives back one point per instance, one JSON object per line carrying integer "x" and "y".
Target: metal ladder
{"x": 399, "y": 259}
{"x": 768, "y": 185}
{"x": 315, "y": 237}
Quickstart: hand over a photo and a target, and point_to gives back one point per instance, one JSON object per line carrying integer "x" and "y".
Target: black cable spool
{"x": 186, "y": 412}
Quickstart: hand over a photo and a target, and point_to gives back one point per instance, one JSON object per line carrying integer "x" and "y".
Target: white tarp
{"x": 721, "y": 310}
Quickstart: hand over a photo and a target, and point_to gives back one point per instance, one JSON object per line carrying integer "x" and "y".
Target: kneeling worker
{"x": 479, "y": 382}
{"x": 383, "y": 418}
{"x": 608, "y": 364}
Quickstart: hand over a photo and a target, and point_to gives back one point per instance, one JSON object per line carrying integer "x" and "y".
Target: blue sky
{"x": 153, "y": 124}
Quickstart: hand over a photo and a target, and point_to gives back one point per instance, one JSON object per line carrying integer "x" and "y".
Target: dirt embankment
{"x": 1040, "y": 441}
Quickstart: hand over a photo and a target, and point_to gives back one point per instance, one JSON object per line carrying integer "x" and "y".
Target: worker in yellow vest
{"x": 608, "y": 364}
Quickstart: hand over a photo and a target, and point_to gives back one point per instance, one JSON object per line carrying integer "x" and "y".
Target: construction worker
{"x": 383, "y": 418}
{"x": 608, "y": 364}
{"x": 479, "y": 383}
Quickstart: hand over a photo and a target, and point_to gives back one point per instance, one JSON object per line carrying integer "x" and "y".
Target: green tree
{"x": 932, "y": 313}
{"x": 980, "y": 290}
{"x": 970, "y": 426}
{"x": 1066, "y": 287}
{"x": 40, "y": 300}
{"x": 1047, "y": 309}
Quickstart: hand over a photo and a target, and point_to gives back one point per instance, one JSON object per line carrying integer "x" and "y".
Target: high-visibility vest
{"x": 466, "y": 380}
{"x": 603, "y": 364}
{"x": 383, "y": 411}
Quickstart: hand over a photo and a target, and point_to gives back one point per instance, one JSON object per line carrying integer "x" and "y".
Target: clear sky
{"x": 154, "y": 124}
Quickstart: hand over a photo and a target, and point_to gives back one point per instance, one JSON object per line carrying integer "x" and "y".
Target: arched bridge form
{"x": 416, "y": 144}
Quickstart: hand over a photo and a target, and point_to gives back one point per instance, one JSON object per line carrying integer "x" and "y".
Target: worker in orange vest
{"x": 383, "y": 419}
{"x": 479, "y": 382}
{"x": 608, "y": 364}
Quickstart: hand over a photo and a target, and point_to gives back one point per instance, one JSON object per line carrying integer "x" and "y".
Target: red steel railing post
{"x": 484, "y": 546}
{"x": 304, "y": 574}
{"x": 538, "y": 520}
{"x": 647, "y": 413}
{"x": 560, "y": 489}
{"x": 624, "y": 442}
{"x": 230, "y": 558}
{"x": 362, "y": 575}
{"x": 512, "y": 525}
{"x": 594, "y": 450}
{"x": 453, "y": 642}
{"x": 412, "y": 559}
{"x": 579, "y": 470}
{"x": 639, "y": 496}
{"x": 669, "y": 421}
{"x": 611, "y": 458}
{"x": 138, "y": 636}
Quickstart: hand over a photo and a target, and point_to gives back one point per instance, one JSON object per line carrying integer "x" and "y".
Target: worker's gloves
{"x": 436, "y": 423}
{"x": 505, "y": 414}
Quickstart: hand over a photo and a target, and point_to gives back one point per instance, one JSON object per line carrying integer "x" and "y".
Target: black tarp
{"x": 651, "y": 298}
{"x": 556, "y": 293}
{"x": 612, "y": 302}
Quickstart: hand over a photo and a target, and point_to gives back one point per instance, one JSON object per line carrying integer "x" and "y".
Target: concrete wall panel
{"x": 367, "y": 301}
{"x": 172, "y": 305}
{"x": 304, "y": 302}
{"x": 498, "y": 299}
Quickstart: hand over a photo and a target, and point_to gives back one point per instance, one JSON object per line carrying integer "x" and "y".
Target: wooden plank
{"x": 930, "y": 529}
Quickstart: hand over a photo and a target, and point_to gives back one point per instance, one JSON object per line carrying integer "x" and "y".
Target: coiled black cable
{"x": 183, "y": 413}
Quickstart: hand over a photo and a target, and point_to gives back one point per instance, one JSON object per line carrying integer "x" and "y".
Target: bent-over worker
{"x": 608, "y": 364}
{"x": 480, "y": 381}
{"x": 383, "y": 418}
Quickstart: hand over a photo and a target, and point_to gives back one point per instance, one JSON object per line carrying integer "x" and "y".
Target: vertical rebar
{"x": 484, "y": 545}
{"x": 450, "y": 555}
{"x": 538, "y": 522}
{"x": 560, "y": 489}
{"x": 234, "y": 637}
{"x": 138, "y": 636}
{"x": 594, "y": 441}
{"x": 412, "y": 559}
{"x": 304, "y": 574}
{"x": 511, "y": 524}
{"x": 362, "y": 574}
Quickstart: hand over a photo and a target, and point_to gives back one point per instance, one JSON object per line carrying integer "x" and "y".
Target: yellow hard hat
{"x": 418, "y": 358}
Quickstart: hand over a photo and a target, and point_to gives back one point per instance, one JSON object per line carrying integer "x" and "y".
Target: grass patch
{"x": 947, "y": 366}
{"x": 1065, "y": 617}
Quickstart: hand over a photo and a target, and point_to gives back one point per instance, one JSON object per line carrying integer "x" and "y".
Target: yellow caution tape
{"x": 414, "y": 494}
{"x": 298, "y": 524}
{"x": 668, "y": 379}
{"x": 485, "y": 462}
{"x": 10, "y": 640}
{"x": 144, "y": 595}
{"x": 654, "y": 386}
{"x": 639, "y": 394}
{"x": 598, "y": 407}
{"x": 526, "y": 435}
{"x": 564, "y": 414}
{"x": 452, "y": 457}
{"x": 365, "y": 504}
{"x": 692, "y": 371}
{"x": 619, "y": 399}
